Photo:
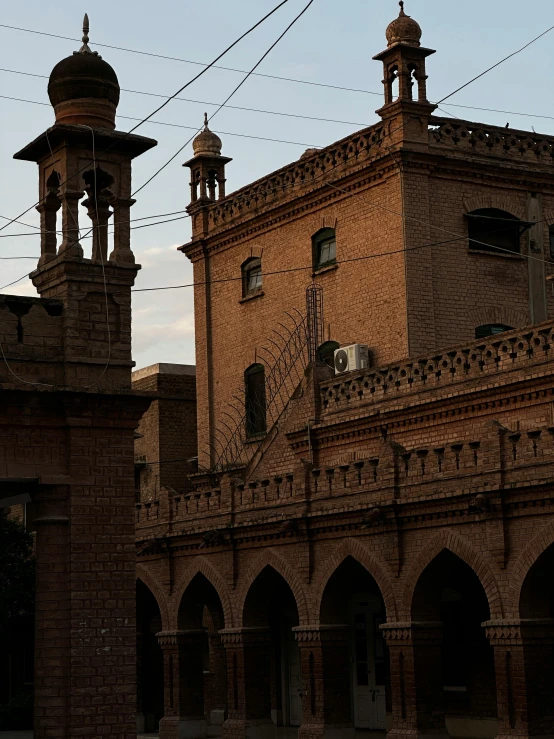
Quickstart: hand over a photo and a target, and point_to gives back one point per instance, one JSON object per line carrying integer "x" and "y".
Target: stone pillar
{"x": 122, "y": 253}
{"x": 218, "y": 680}
{"x": 415, "y": 650}
{"x": 183, "y": 656}
{"x": 326, "y": 681}
{"x": 141, "y": 726}
{"x": 524, "y": 662}
{"x": 48, "y": 242}
{"x": 248, "y": 652}
{"x": 70, "y": 224}
{"x": 52, "y": 617}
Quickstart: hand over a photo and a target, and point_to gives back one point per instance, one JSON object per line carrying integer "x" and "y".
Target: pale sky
{"x": 332, "y": 44}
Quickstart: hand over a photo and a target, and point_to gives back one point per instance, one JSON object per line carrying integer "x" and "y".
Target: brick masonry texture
{"x": 68, "y": 417}
{"x": 436, "y": 462}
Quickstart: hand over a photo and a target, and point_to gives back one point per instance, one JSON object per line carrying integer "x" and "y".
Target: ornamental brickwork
{"x": 380, "y": 557}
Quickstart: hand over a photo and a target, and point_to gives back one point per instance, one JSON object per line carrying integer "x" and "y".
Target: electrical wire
{"x": 189, "y": 128}
{"x": 494, "y": 66}
{"x": 204, "y": 102}
{"x": 179, "y": 91}
{"x": 188, "y": 61}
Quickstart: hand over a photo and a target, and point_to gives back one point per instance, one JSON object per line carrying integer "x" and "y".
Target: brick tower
{"x": 81, "y": 474}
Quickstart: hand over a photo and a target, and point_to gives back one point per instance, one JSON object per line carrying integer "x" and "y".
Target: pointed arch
{"x": 378, "y": 570}
{"x": 270, "y": 558}
{"x": 462, "y": 549}
{"x": 161, "y": 599}
{"x": 202, "y": 566}
{"x": 537, "y": 546}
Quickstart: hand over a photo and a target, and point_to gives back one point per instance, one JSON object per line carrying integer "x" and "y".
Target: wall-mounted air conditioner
{"x": 351, "y": 358}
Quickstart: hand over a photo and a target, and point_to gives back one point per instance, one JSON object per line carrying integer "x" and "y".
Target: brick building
{"x": 68, "y": 414}
{"x": 371, "y": 550}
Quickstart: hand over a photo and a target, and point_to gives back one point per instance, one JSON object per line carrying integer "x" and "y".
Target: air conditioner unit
{"x": 351, "y": 358}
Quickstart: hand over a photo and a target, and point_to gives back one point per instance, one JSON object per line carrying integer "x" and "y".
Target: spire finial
{"x": 85, "y": 48}
{"x": 401, "y": 3}
{"x": 205, "y": 121}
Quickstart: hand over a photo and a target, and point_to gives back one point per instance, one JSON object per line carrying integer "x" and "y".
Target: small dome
{"x": 404, "y": 30}
{"x": 83, "y": 88}
{"x": 207, "y": 143}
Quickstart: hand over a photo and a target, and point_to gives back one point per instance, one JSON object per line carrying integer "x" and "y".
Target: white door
{"x": 294, "y": 681}
{"x": 368, "y": 665}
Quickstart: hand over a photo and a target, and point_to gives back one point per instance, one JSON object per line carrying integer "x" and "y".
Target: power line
{"x": 188, "y": 61}
{"x": 205, "y": 102}
{"x": 133, "y": 228}
{"x": 494, "y": 66}
{"x": 282, "y": 113}
{"x": 179, "y": 91}
{"x": 179, "y": 125}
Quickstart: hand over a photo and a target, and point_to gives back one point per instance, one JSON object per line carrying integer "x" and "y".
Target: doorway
{"x": 368, "y": 663}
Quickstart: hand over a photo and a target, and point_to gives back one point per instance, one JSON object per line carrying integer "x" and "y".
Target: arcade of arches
{"x": 444, "y": 651}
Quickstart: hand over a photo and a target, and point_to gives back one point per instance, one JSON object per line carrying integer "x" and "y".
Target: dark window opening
{"x": 138, "y": 475}
{"x": 254, "y": 380}
{"x": 551, "y": 238}
{"x": 324, "y": 247}
{"x": 326, "y": 353}
{"x": 491, "y": 329}
{"x": 251, "y": 276}
{"x": 494, "y": 230}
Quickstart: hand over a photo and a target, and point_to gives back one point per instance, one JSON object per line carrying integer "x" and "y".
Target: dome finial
{"x": 205, "y": 121}
{"x": 85, "y": 48}
{"x": 401, "y": 3}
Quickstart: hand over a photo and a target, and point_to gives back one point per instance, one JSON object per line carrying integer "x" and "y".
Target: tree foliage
{"x": 17, "y": 575}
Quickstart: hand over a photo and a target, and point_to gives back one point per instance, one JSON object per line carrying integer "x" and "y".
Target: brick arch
{"x": 485, "y": 314}
{"x": 537, "y": 546}
{"x": 202, "y": 566}
{"x": 378, "y": 570}
{"x": 462, "y": 549}
{"x": 270, "y": 558}
{"x": 492, "y": 200}
{"x": 161, "y": 599}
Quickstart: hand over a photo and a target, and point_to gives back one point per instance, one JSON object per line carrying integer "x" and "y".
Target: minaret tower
{"x": 207, "y": 177}
{"x": 404, "y": 62}
{"x": 83, "y": 154}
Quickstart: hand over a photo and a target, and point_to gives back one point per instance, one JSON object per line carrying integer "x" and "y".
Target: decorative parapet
{"x": 481, "y": 358}
{"x": 491, "y": 140}
{"x": 299, "y": 176}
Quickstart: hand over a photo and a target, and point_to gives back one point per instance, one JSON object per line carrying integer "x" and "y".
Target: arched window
{"x": 491, "y": 329}
{"x": 324, "y": 248}
{"x": 254, "y": 383}
{"x": 251, "y": 276}
{"x": 494, "y": 230}
{"x": 326, "y": 353}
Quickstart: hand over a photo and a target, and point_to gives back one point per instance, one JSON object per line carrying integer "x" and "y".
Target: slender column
{"x": 52, "y": 620}
{"x": 99, "y": 213}
{"x": 524, "y": 662}
{"x": 248, "y": 653}
{"x": 70, "y": 224}
{"x": 48, "y": 241}
{"x": 183, "y": 655}
{"x": 218, "y": 677}
{"x": 415, "y": 650}
{"x": 326, "y": 681}
{"x": 122, "y": 253}
{"x": 140, "y": 686}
